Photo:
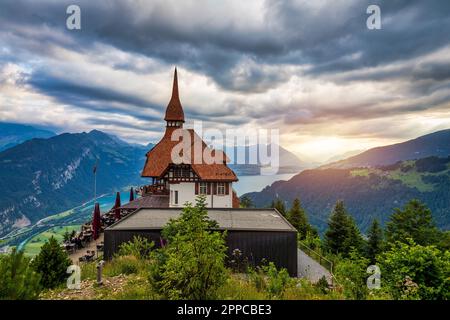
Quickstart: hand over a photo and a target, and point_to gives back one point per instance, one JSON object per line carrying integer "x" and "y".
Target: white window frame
{"x": 202, "y": 185}
{"x": 221, "y": 188}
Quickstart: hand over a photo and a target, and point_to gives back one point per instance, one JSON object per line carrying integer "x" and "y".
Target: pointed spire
{"x": 175, "y": 85}
{"x": 174, "y": 111}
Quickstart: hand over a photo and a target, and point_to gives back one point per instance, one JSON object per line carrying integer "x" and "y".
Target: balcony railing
{"x": 153, "y": 189}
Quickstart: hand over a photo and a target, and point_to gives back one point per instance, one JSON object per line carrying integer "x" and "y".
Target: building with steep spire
{"x": 173, "y": 184}
{"x": 261, "y": 235}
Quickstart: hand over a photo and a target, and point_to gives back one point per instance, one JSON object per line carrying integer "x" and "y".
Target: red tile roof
{"x": 159, "y": 158}
{"x": 174, "y": 110}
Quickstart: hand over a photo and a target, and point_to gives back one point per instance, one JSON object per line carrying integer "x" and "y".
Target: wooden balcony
{"x": 156, "y": 189}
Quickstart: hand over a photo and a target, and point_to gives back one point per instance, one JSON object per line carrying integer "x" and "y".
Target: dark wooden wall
{"x": 278, "y": 247}
{"x": 114, "y": 238}
{"x": 256, "y": 246}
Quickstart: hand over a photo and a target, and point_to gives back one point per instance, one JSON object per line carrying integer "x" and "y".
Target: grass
{"x": 360, "y": 173}
{"x": 120, "y": 283}
{"x": 33, "y": 246}
{"x": 58, "y": 216}
{"x": 411, "y": 179}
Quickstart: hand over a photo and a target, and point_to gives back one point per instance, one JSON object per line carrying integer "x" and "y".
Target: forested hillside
{"x": 45, "y": 176}
{"x": 367, "y": 192}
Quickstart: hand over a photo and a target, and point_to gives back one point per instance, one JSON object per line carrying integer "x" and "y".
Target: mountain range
{"x": 433, "y": 144}
{"x": 12, "y": 134}
{"x": 45, "y": 176}
{"x": 373, "y": 183}
{"x": 288, "y": 162}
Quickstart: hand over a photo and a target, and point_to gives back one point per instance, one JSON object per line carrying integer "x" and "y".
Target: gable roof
{"x": 160, "y": 157}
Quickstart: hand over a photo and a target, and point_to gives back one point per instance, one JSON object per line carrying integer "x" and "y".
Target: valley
{"x": 31, "y": 238}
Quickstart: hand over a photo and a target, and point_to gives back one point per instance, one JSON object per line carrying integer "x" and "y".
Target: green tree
{"x": 66, "y": 236}
{"x": 374, "y": 241}
{"x": 52, "y": 263}
{"x": 192, "y": 264}
{"x": 414, "y": 221}
{"x": 342, "y": 235}
{"x": 412, "y": 271}
{"x": 297, "y": 217}
{"x": 279, "y": 205}
{"x": 246, "y": 202}
{"x": 18, "y": 281}
{"x": 444, "y": 242}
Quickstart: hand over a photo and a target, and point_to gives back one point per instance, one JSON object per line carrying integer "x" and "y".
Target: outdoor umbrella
{"x": 117, "y": 206}
{"x": 96, "y": 222}
{"x": 131, "y": 194}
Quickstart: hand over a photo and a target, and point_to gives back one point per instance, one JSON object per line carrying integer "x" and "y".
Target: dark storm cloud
{"x": 93, "y": 98}
{"x": 331, "y": 38}
{"x": 313, "y": 40}
{"x": 67, "y": 90}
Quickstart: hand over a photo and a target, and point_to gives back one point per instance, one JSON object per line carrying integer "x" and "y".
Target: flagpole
{"x": 95, "y": 186}
{"x": 95, "y": 181}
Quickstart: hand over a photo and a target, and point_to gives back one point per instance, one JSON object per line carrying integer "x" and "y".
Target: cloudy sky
{"x": 311, "y": 69}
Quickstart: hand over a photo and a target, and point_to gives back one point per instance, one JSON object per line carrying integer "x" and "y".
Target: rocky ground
{"x": 112, "y": 288}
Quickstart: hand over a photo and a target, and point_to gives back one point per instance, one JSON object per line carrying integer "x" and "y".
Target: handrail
{"x": 330, "y": 269}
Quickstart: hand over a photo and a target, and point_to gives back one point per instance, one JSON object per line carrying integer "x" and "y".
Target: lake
{"x": 257, "y": 183}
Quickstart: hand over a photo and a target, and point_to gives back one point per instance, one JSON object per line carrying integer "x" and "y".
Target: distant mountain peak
{"x": 432, "y": 144}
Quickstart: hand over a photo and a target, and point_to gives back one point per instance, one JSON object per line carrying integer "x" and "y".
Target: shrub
{"x": 139, "y": 247}
{"x": 352, "y": 275}
{"x": 52, "y": 263}
{"x": 123, "y": 265}
{"x": 270, "y": 279}
{"x": 238, "y": 262}
{"x": 191, "y": 265}
{"x": 322, "y": 285}
{"x": 412, "y": 271}
{"x": 18, "y": 281}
